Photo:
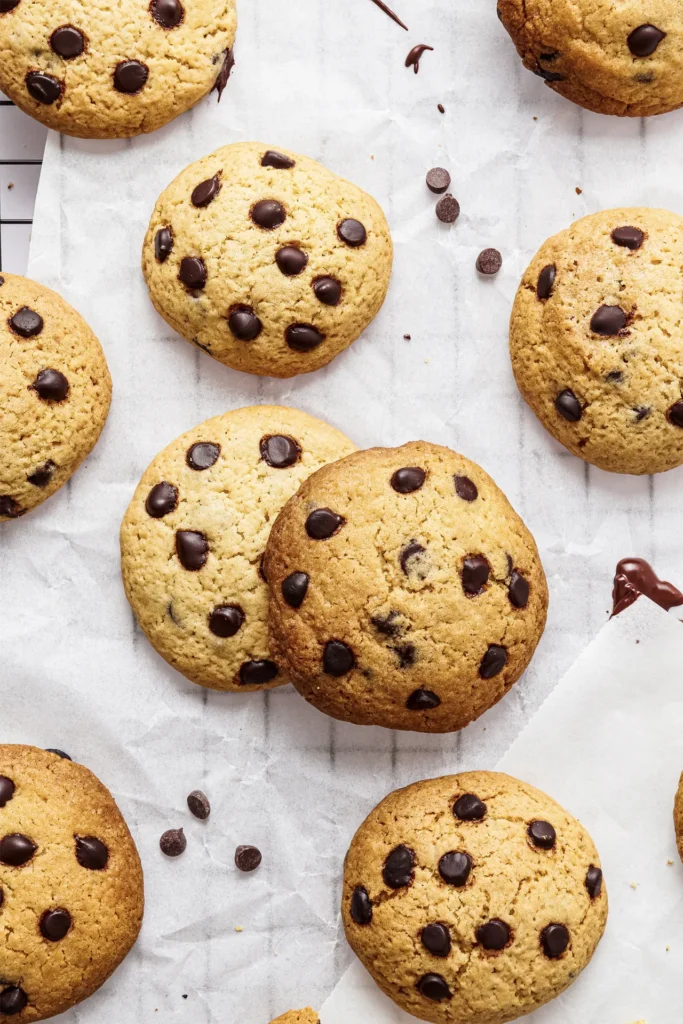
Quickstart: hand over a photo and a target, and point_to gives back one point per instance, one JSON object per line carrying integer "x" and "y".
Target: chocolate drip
{"x": 635, "y": 576}
{"x": 415, "y": 55}
{"x": 387, "y": 10}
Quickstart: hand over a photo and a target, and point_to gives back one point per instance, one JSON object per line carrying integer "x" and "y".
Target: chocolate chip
{"x": 8, "y": 5}
{"x": 173, "y": 842}
{"x": 518, "y": 591}
{"x": 257, "y": 673}
{"x": 291, "y": 260}
{"x": 547, "y": 75}
{"x": 91, "y": 853}
{"x": 568, "y": 406}
{"x": 554, "y": 940}
{"x": 51, "y": 386}
{"x": 469, "y": 807}
{"x": 351, "y": 232}
{"x": 448, "y": 209}
{"x": 279, "y": 451}
{"x": 675, "y": 414}
{"x": 644, "y": 40}
{"x": 167, "y": 13}
{"x": 12, "y": 999}
{"x": 465, "y": 488}
{"x": 192, "y": 549}
{"x": 642, "y": 412}
{"x": 247, "y": 858}
{"x": 54, "y": 924}
{"x": 226, "y": 620}
{"x": 261, "y": 570}
{"x": 43, "y": 88}
{"x": 594, "y": 882}
{"x": 399, "y": 868}
{"x": 361, "y": 906}
{"x": 268, "y": 214}
{"x": 542, "y": 834}
{"x": 408, "y": 479}
{"x": 494, "y": 935}
{"x": 192, "y": 272}
{"x": 16, "y": 850}
{"x": 455, "y": 868}
{"x": 9, "y": 507}
{"x": 615, "y": 377}
{"x": 608, "y": 321}
{"x": 199, "y": 805}
{"x": 206, "y": 191}
{"x": 130, "y": 76}
{"x": 323, "y": 522}
{"x": 224, "y": 73}
{"x": 67, "y": 42}
{"x": 438, "y": 180}
{"x": 422, "y": 700}
{"x": 489, "y": 262}
{"x": 493, "y": 662}
{"x": 26, "y": 322}
{"x": 58, "y": 753}
{"x": 475, "y": 574}
{"x": 271, "y": 158}
{"x": 387, "y": 625}
{"x": 162, "y": 499}
{"x": 163, "y": 244}
{"x": 436, "y": 939}
{"x": 41, "y": 476}
{"x": 202, "y": 455}
{"x": 405, "y": 653}
{"x": 546, "y": 281}
{"x": 303, "y": 337}
{"x": 628, "y": 237}
{"x": 7, "y": 788}
{"x": 434, "y": 987}
{"x": 338, "y": 658}
{"x": 244, "y": 323}
{"x": 410, "y": 551}
{"x": 327, "y": 290}
{"x": 294, "y": 589}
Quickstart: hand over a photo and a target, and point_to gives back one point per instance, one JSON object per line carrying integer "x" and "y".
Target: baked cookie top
{"x": 71, "y": 888}
{"x": 595, "y": 339}
{"x": 298, "y": 1017}
{"x": 106, "y": 71}
{"x": 624, "y": 58}
{"x": 472, "y": 899}
{"x": 405, "y": 590}
{"x": 678, "y": 817}
{"x": 267, "y": 260}
{"x": 55, "y": 391}
{"x": 194, "y": 534}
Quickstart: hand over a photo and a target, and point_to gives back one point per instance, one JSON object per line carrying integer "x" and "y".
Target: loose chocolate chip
{"x": 167, "y": 13}
{"x": 199, "y": 805}
{"x": 163, "y": 244}
{"x": 8, "y": 5}
{"x": 9, "y": 507}
{"x": 399, "y": 868}
{"x": 644, "y": 40}
{"x": 546, "y": 281}
{"x": 206, "y": 191}
{"x": 675, "y": 414}
{"x": 268, "y": 214}
{"x": 12, "y": 1000}
{"x": 493, "y": 662}
{"x": 475, "y": 574}
{"x": 173, "y": 842}
{"x": 294, "y": 589}
{"x": 568, "y": 406}
{"x": 244, "y": 323}
{"x": 162, "y": 499}
{"x": 493, "y": 935}
{"x": 226, "y": 620}
{"x": 361, "y": 906}
{"x": 202, "y": 455}
{"x": 51, "y": 386}
{"x": 469, "y": 807}
{"x": 323, "y": 522}
{"x": 247, "y": 858}
{"x": 327, "y": 290}
{"x": 554, "y": 940}
{"x": 224, "y": 73}
{"x": 16, "y": 850}
{"x": 54, "y": 924}
{"x": 271, "y": 158}
{"x": 26, "y": 322}
{"x": 438, "y": 180}
{"x": 130, "y": 76}
{"x": 465, "y": 488}
{"x": 279, "y": 451}
{"x": 455, "y": 868}
{"x": 422, "y": 700}
{"x": 68, "y": 42}
{"x": 448, "y": 209}
{"x": 434, "y": 987}
{"x": 489, "y": 262}
{"x": 409, "y": 552}
{"x": 352, "y": 232}
{"x": 628, "y": 237}
{"x": 59, "y": 753}
{"x": 192, "y": 272}
{"x": 594, "y": 882}
{"x": 41, "y": 475}
{"x": 436, "y": 939}
{"x": 43, "y": 88}
{"x": 338, "y": 658}
{"x": 542, "y": 834}
{"x": 408, "y": 479}
{"x": 7, "y": 788}
{"x": 291, "y": 260}
{"x": 192, "y": 549}
{"x": 257, "y": 673}
{"x": 303, "y": 337}
{"x": 518, "y": 591}
{"x": 91, "y": 853}
{"x": 608, "y": 321}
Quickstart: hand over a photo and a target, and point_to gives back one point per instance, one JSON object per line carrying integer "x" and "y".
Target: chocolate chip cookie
{"x": 71, "y": 888}
{"x": 611, "y": 58}
{"x": 678, "y": 817}
{"x": 472, "y": 899}
{"x": 193, "y": 538}
{"x": 297, "y": 1017}
{"x": 405, "y": 590}
{"x": 55, "y": 391}
{"x": 267, "y": 260}
{"x": 595, "y": 339}
{"x": 107, "y": 71}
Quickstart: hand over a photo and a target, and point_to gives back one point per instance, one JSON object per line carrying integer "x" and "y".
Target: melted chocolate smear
{"x": 635, "y": 576}
{"x": 415, "y": 55}
{"x": 387, "y": 10}
{"x": 224, "y": 73}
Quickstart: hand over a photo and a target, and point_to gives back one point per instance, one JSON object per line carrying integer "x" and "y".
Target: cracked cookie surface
{"x": 193, "y": 538}
{"x": 595, "y": 339}
{"x": 473, "y": 898}
{"x": 55, "y": 392}
{"x": 405, "y": 590}
{"x": 71, "y": 887}
{"x": 266, "y": 260}
{"x": 298, "y": 1017}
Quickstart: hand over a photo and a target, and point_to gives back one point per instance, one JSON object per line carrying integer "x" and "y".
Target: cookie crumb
{"x": 406, "y": 337}
{"x": 239, "y": 928}
{"x": 579, "y": 191}
{"x": 634, "y": 885}
{"x": 670, "y": 863}
{"x": 10, "y": 184}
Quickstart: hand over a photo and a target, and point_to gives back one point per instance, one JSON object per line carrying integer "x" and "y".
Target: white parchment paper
{"x": 325, "y": 78}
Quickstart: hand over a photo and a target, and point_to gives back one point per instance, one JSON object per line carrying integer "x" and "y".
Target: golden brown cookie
{"x": 297, "y": 1017}
{"x": 472, "y": 899}
{"x": 71, "y": 888}
{"x": 678, "y": 817}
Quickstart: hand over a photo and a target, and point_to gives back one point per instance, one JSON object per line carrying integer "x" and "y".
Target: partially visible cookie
{"x": 678, "y": 817}
{"x": 267, "y": 260}
{"x": 405, "y": 590}
{"x": 55, "y": 391}
{"x": 297, "y": 1017}
{"x": 194, "y": 534}
{"x": 595, "y": 339}
{"x": 71, "y": 887}
{"x": 472, "y": 899}
{"x": 106, "y": 71}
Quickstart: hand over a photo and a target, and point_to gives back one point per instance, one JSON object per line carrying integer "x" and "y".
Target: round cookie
{"x": 678, "y": 817}
{"x": 71, "y": 887}
{"x": 623, "y": 58}
{"x": 193, "y": 538}
{"x": 266, "y": 260}
{"x": 55, "y": 391}
{"x": 405, "y": 590}
{"x": 108, "y": 71}
{"x": 595, "y": 339}
{"x": 297, "y": 1017}
{"x": 473, "y": 898}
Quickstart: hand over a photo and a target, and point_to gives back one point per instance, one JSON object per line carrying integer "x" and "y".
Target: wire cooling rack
{"x": 22, "y": 142}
